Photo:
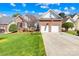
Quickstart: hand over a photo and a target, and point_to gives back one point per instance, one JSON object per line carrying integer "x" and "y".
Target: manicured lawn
{"x": 21, "y": 44}
{"x": 72, "y": 32}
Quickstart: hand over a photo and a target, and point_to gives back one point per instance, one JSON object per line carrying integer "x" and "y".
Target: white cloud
{"x": 26, "y": 11}
{"x": 17, "y": 10}
{"x": 55, "y": 4}
{"x": 12, "y": 4}
{"x": 47, "y": 4}
{"x": 70, "y": 8}
{"x": 4, "y": 14}
{"x": 24, "y": 5}
{"x": 44, "y": 6}
{"x": 73, "y": 8}
{"x": 33, "y": 11}
{"x": 66, "y": 8}
{"x": 40, "y": 13}
{"x": 57, "y": 11}
{"x": 66, "y": 12}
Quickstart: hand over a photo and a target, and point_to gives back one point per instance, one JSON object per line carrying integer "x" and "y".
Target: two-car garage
{"x": 49, "y": 29}
{"x": 50, "y": 22}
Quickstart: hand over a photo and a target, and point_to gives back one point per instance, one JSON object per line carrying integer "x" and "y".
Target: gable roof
{"x": 29, "y": 17}
{"x": 5, "y": 20}
{"x": 71, "y": 20}
{"x": 68, "y": 18}
{"x": 76, "y": 17}
{"x": 26, "y": 18}
{"x": 19, "y": 16}
{"x": 51, "y": 14}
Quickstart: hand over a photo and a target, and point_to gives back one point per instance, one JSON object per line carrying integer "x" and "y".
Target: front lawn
{"x": 21, "y": 44}
{"x": 72, "y": 32}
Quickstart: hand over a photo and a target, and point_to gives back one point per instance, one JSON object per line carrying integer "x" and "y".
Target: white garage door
{"x": 54, "y": 28}
{"x": 44, "y": 28}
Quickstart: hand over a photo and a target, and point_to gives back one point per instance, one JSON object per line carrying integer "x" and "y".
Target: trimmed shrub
{"x": 13, "y": 28}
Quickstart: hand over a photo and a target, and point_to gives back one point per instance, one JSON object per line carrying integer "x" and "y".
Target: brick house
{"x": 26, "y": 21}
{"x": 50, "y": 22}
{"x": 22, "y": 22}
{"x": 4, "y": 22}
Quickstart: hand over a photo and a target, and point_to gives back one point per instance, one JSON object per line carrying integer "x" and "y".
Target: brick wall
{"x": 51, "y": 23}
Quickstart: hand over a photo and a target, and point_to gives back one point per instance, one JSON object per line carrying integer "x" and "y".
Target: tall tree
{"x": 16, "y": 14}
{"x": 62, "y": 15}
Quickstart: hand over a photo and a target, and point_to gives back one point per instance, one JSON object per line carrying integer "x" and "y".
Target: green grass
{"x": 22, "y": 44}
{"x": 72, "y": 32}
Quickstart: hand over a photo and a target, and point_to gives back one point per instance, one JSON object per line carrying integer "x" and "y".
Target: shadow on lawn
{"x": 35, "y": 33}
{"x": 1, "y": 38}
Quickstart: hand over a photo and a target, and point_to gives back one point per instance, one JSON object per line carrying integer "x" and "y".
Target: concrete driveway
{"x": 61, "y": 44}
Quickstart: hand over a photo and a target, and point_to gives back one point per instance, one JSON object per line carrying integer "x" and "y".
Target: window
{"x": 19, "y": 25}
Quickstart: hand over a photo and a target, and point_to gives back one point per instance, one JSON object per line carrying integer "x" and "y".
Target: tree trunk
{"x": 66, "y": 29}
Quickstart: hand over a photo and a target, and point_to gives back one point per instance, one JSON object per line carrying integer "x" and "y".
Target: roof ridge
{"x": 56, "y": 13}
{"x": 51, "y": 12}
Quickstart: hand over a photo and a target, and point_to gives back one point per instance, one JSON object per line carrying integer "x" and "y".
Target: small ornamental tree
{"x": 13, "y": 28}
{"x": 67, "y": 25}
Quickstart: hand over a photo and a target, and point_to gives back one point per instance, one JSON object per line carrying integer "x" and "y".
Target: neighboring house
{"x": 76, "y": 21}
{"x": 4, "y": 22}
{"x": 75, "y": 17}
{"x": 77, "y": 24}
{"x": 69, "y": 19}
{"x": 31, "y": 20}
{"x": 50, "y": 22}
{"x": 25, "y": 22}
{"x": 22, "y": 22}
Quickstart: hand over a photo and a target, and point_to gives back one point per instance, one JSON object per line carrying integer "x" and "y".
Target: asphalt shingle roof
{"x": 51, "y": 14}
{"x": 5, "y": 19}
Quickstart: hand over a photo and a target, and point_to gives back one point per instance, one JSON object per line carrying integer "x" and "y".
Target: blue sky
{"x": 38, "y": 8}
